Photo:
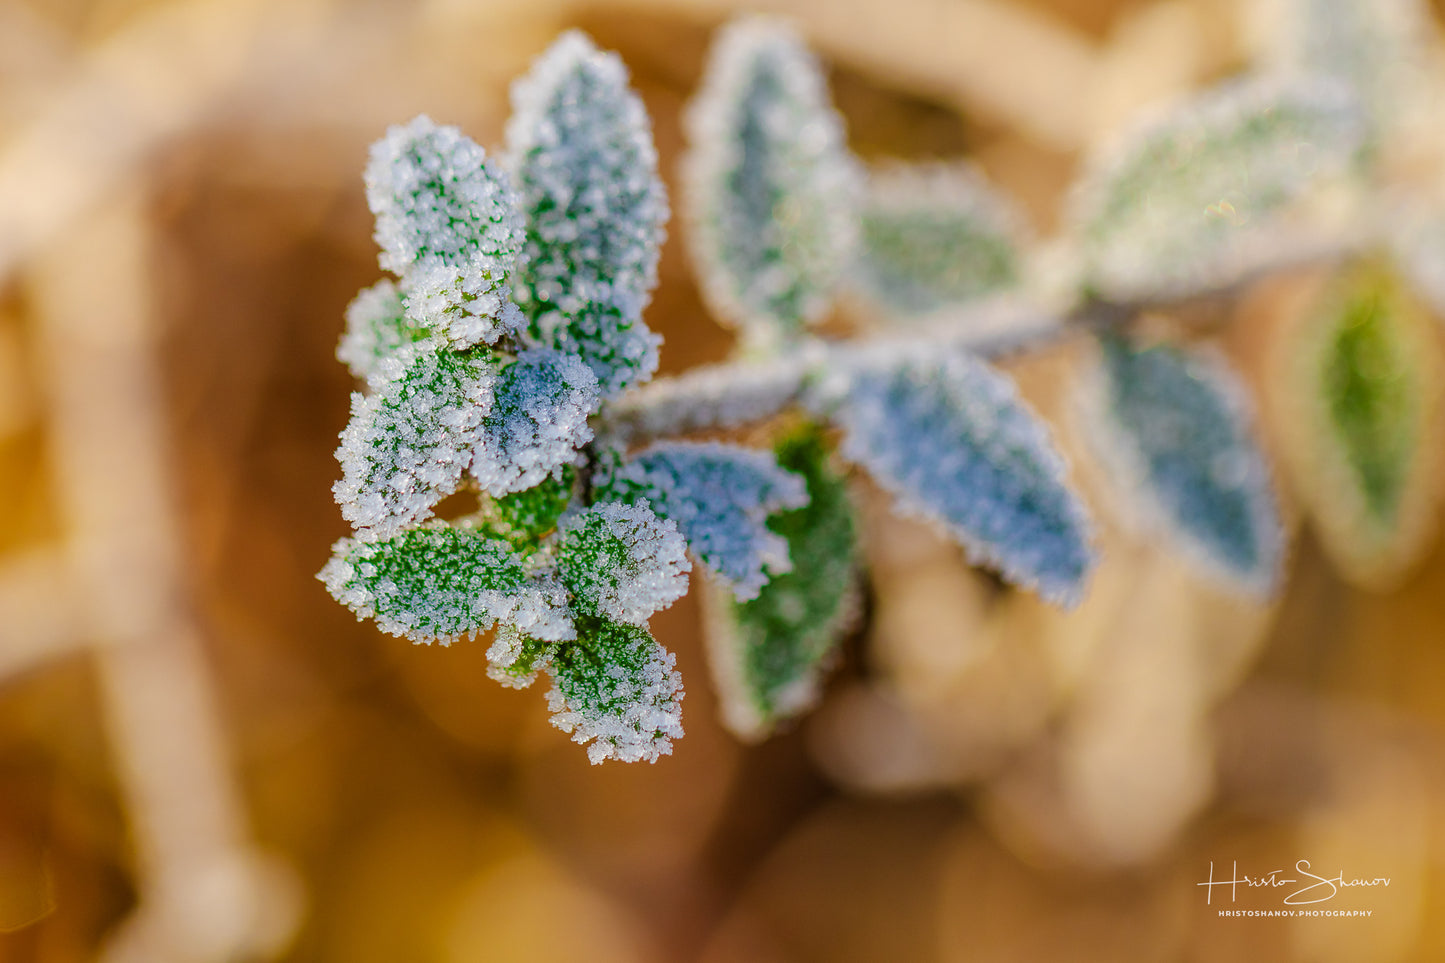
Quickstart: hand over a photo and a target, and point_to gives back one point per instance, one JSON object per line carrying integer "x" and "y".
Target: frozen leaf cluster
{"x": 720, "y": 497}
{"x": 934, "y": 237}
{"x": 950, "y": 438}
{"x": 1186, "y": 201}
{"x": 447, "y": 225}
{"x": 1173, "y": 433}
{"x": 768, "y": 652}
{"x": 772, "y": 189}
{"x": 580, "y": 150}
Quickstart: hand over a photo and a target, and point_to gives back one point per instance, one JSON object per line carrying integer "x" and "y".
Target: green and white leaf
{"x": 1190, "y": 201}
{"x": 377, "y": 331}
{"x": 768, "y": 653}
{"x": 616, "y": 688}
{"x": 536, "y": 423}
{"x": 1172, "y": 432}
{"x": 409, "y": 442}
{"x": 772, "y": 192}
{"x": 950, "y": 438}
{"x": 515, "y": 658}
{"x": 1362, "y": 384}
{"x": 580, "y": 148}
{"x": 447, "y": 225}
{"x": 621, "y": 562}
{"x": 720, "y": 497}
{"x": 935, "y": 237}
{"x": 439, "y": 583}
{"x": 524, "y": 518}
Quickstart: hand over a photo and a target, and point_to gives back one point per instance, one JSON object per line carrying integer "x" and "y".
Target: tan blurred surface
{"x": 987, "y": 779}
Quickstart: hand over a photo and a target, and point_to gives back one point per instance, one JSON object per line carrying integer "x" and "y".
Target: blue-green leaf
{"x": 1173, "y": 432}
{"x": 954, "y": 443}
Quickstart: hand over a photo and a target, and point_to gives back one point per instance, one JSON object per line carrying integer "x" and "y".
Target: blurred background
{"x": 204, "y": 757}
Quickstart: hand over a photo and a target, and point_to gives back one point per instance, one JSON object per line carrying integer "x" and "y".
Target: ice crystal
{"x": 772, "y": 191}
{"x": 1172, "y": 431}
{"x": 622, "y": 562}
{"x": 536, "y": 423}
{"x": 720, "y": 497}
{"x": 440, "y": 583}
{"x": 768, "y": 653}
{"x": 515, "y": 658}
{"x": 616, "y": 688}
{"x": 1186, "y": 201}
{"x": 935, "y": 237}
{"x": 447, "y": 225}
{"x": 377, "y": 331}
{"x": 580, "y": 146}
{"x": 1363, "y": 381}
{"x": 408, "y": 444}
{"x": 954, "y": 443}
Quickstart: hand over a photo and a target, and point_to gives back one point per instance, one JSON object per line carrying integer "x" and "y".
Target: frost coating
{"x": 377, "y": 330}
{"x": 616, "y": 688}
{"x": 447, "y": 226}
{"x": 622, "y": 562}
{"x": 935, "y": 237}
{"x": 580, "y": 148}
{"x": 950, "y": 438}
{"x": 408, "y": 444}
{"x": 536, "y": 423}
{"x": 1173, "y": 433}
{"x": 515, "y": 658}
{"x": 772, "y": 191}
{"x": 720, "y": 497}
{"x": 768, "y": 654}
{"x": 440, "y": 583}
{"x": 1185, "y": 202}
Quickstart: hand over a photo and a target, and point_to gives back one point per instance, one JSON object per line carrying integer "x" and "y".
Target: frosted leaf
{"x": 447, "y": 225}
{"x": 616, "y": 688}
{"x": 1172, "y": 432}
{"x": 772, "y": 191}
{"x": 935, "y": 237}
{"x": 1371, "y": 45}
{"x": 954, "y": 443}
{"x": 377, "y": 330}
{"x": 440, "y": 583}
{"x": 622, "y": 562}
{"x": 536, "y": 423}
{"x": 515, "y": 658}
{"x": 720, "y": 497}
{"x": 408, "y": 444}
{"x": 1362, "y": 405}
{"x": 768, "y": 654}
{"x": 580, "y": 148}
{"x": 1188, "y": 201}
{"x": 525, "y": 517}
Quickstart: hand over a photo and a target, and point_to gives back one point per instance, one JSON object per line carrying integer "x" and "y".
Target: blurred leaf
{"x": 1186, "y": 202}
{"x": 1364, "y": 397}
{"x": 580, "y": 145}
{"x": 440, "y": 583}
{"x": 771, "y": 187}
{"x": 720, "y": 497}
{"x": 934, "y": 238}
{"x": 949, "y": 437}
{"x": 1172, "y": 431}
{"x": 767, "y": 653}
{"x": 616, "y": 688}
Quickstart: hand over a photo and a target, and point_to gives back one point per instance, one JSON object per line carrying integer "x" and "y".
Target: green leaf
{"x": 515, "y": 658}
{"x": 935, "y": 238}
{"x": 377, "y": 330}
{"x": 616, "y": 688}
{"x": 772, "y": 191}
{"x": 440, "y": 583}
{"x": 621, "y": 562}
{"x": 1173, "y": 433}
{"x": 524, "y": 518}
{"x": 950, "y": 438}
{"x": 1190, "y": 200}
{"x": 1363, "y": 393}
{"x": 580, "y": 145}
{"x": 768, "y": 653}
